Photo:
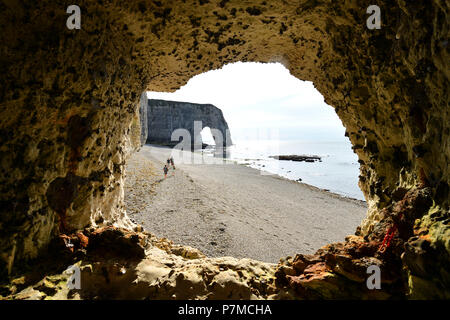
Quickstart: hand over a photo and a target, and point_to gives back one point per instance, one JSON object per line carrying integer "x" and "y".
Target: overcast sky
{"x": 257, "y": 96}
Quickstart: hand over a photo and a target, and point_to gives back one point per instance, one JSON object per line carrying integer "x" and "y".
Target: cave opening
{"x": 268, "y": 113}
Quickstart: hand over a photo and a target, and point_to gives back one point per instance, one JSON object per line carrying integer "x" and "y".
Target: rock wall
{"x": 69, "y": 98}
{"x": 164, "y": 117}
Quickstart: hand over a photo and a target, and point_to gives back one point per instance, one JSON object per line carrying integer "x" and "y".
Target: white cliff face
{"x": 164, "y": 117}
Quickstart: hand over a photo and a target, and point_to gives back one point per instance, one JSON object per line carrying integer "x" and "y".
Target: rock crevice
{"x": 69, "y": 107}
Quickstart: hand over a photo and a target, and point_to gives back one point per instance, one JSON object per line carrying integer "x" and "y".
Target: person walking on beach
{"x": 173, "y": 166}
{"x": 166, "y": 169}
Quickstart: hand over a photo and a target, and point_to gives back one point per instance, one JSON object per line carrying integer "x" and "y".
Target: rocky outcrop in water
{"x": 165, "y": 118}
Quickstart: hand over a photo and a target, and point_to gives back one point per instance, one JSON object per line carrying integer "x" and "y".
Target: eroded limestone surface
{"x": 69, "y": 109}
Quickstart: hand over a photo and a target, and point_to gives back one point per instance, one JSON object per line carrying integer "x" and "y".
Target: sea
{"x": 337, "y": 171}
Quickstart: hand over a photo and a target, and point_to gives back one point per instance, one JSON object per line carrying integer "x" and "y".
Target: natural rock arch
{"x": 208, "y": 134}
{"x": 69, "y": 106}
{"x": 164, "y": 117}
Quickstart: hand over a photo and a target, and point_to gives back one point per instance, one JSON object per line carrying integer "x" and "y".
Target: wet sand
{"x": 227, "y": 209}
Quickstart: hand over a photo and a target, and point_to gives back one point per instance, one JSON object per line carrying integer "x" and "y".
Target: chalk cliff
{"x": 165, "y": 117}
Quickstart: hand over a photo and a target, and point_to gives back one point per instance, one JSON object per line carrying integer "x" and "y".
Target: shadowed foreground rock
{"x": 121, "y": 264}
{"x": 297, "y": 158}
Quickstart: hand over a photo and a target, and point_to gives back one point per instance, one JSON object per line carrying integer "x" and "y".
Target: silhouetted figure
{"x": 166, "y": 169}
